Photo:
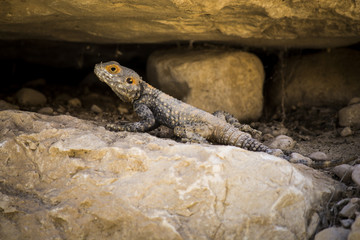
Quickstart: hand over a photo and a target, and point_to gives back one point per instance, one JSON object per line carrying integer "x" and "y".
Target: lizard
{"x": 189, "y": 123}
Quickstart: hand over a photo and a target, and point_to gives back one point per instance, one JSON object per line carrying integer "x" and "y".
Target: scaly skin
{"x": 189, "y": 123}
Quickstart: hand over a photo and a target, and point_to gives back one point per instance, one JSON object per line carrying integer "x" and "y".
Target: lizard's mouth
{"x": 98, "y": 70}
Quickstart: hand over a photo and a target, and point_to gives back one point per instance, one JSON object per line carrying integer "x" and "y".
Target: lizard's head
{"x": 125, "y": 82}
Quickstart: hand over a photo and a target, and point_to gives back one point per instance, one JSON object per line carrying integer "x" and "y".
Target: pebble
{"x": 350, "y": 116}
{"x": 295, "y": 157}
{"x": 355, "y": 230}
{"x": 96, "y": 109}
{"x": 349, "y": 210}
{"x": 346, "y": 132}
{"x": 283, "y": 142}
{"x": 61, "y": 109}
{"x": 321, "y": 156}
{"x": 355, "y": 175}
{"x": 344, "y": 172}
{"x": 346, "y": 223}
{"x": 267, "y": 137}
{"x": 30, "y": 97}
{"x": 6, "y": 106}
{"x": 122, "y": 109}
{"x": 333, "y": 233}
{"x": 74, "y": 102}
{"x": 46, "y": 110}
{"x": 314, "y": 223}
{"x": 354, "y": 100}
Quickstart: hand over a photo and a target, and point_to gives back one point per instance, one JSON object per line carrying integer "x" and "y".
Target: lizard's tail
{"x": 324, "y": 164}
{"x": 233, "y": 136}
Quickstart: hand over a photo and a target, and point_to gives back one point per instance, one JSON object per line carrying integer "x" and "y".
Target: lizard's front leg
{"x": 146, "y": 123}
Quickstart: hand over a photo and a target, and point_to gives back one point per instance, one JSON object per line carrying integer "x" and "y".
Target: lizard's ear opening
{"x": 131, "y": 80}
{"x": 113, "y": 69}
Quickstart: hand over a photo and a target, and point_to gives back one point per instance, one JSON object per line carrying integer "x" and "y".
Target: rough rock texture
{"x": 211, "y": 80}
{"x": 273, "y": 23}
{"x": 324, "y": 78}
{"x": 62, "y": 177}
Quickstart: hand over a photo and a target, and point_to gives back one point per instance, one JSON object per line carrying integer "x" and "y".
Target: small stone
{"x": 344, "y": 172}
{"x": 6, "y": 106}
{"x": 278, "y": 131}
{"x": 283, "y": 142}
{"x": 350, "y": 209}
{"x": 61, "y": 109}
{"x": 267, "y": 137}
{"x": 321, "y": 156}
{"x": 313, "y": 224}
{"x": 350, "y": 116}
{"x": 346, "y": 132}
{"x": 122, "y": 109}
{"x": 346, "y": 223}
{"x": 333, "y": 233}
{"x": 355, "y": 230}
{"x": 354, "y": 100}
{"x": 46, "y": 110}
{"x": 96, "y": 109}
{"x": 355, "y": 175}
{"x": 30, "y": 97}
{"x": 74, "y": 102}
{"x": 297, "y": 157}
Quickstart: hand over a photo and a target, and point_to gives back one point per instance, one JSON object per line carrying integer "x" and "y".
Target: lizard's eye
{"x": 130, "y": 80}
{"x": 114, "y": 69}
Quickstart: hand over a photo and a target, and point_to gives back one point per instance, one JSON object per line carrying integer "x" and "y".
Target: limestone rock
{"x": 344, "y": 172}
{"x": 333, "y": 233}
{"x": 283, "y": 142}
{"x": 74, "y": 102}
{"x": 7, "y": 106}
{"x": 355, "y": 230}
{"x": 350, "y": 116}
{"x": 211, "y": 80}
{"x": 346, "y": 132}
{"x": 349, "y": 210}
{"x": 46, "y": 110}
{"x": 355, "y": 175}
{"x": 66, "y": 178}
{"x": 31, "y": 97}
{"x": 325, "y": 78}
{"x": 321, "y": 156}
{"x": 326, "y": 23}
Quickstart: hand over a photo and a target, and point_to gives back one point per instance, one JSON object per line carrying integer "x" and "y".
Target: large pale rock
{"x": 303, "y": 23}
{"x": 211, "y": 79}
{"x": 325, "y": 78}
{"x": 65, "y": 178}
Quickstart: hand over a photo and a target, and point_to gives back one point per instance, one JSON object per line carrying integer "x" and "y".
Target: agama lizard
{"x": 189, "y": 123}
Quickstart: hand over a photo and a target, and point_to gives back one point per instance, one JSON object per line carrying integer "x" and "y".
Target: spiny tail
{"x": 324, "y": 164}
{"x": 230, "y": 135}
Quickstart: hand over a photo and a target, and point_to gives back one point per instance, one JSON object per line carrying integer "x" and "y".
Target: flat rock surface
{"x": 62, "y": 177}
{"x": 326, "y": 23}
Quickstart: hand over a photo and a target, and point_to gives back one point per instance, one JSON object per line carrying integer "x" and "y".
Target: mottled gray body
{"x": 189, "y": 123}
